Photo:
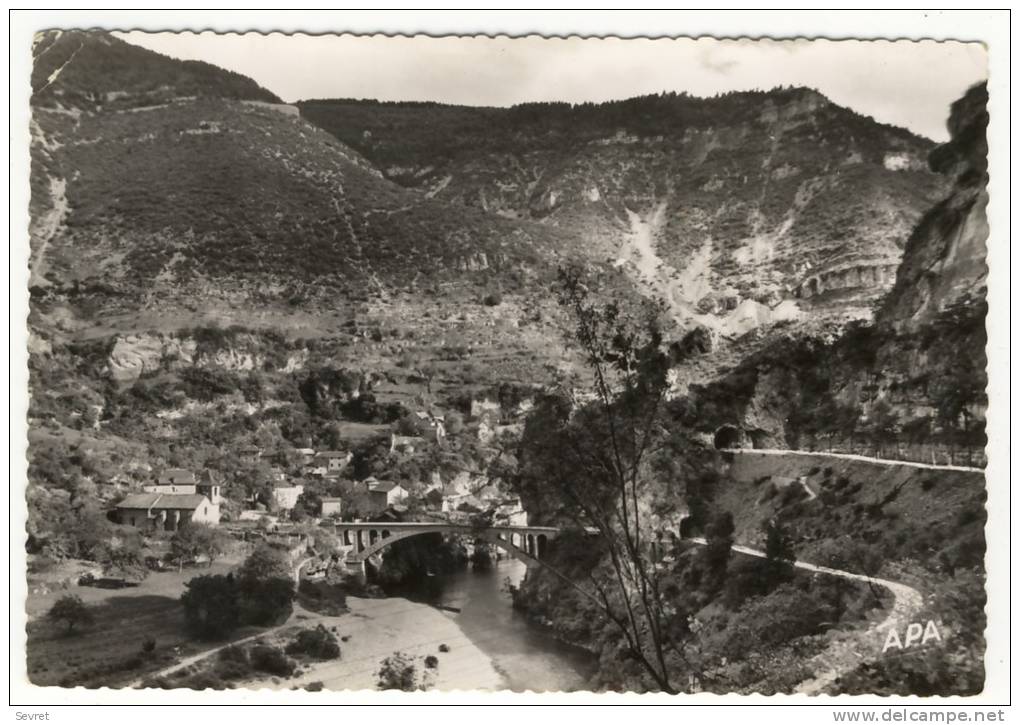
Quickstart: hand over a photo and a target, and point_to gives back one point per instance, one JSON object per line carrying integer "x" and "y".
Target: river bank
{"x": 376, "y": 628}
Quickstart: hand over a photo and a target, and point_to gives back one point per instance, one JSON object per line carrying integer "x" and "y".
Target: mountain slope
{"x": 177, "y": 199}
{"x": 77, "y": 69}
{"x": 915, "y": 378}
{"x": 745, "y": 199}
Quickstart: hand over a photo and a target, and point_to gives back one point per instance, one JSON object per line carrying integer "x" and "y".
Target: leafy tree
{"x": 778, "y": 551}
{"x": 319, "y": 643}
{"x": 265, "y": 586}
{"x": 266, "y": 562}
{"x": 195, "y": 539}
{"x": 719, "y": 542}
{"x": 593, "y": 466}
{"x": 211, "y": 606}
{"x": 884, "y": 422}
{"x": 122, "y": 555}
{"x": 72, "y": 610}
{"x": 454, "y": 423}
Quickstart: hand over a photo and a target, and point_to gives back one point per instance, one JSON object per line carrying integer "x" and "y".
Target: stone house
{"x": 329, "y": 463}
{"x": 286, "y": 495}
{"x": 330, "y": 506}
{"x": 181, "y": 481}
{"x": 405, "y": 444}
{"x": 380, "y": 495}
{"x": 166, "y": 511}
{"x": 173, "y": 480}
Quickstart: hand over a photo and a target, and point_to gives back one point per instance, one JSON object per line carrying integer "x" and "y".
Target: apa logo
{"x": 915, "y": 634}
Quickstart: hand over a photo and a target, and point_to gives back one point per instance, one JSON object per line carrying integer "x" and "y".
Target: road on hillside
{"x": 844, "y": 655}
{"x": 852, "y": 457}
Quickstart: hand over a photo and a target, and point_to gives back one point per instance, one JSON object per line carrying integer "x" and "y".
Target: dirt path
{"x": 49, "y": 224}
{"x": 188, "y": 661}
{"x": 852, "y": 457}
{"x": 852, "y": 648}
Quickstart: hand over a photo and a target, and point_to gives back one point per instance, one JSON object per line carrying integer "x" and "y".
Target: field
{"x": 109, "y": 652}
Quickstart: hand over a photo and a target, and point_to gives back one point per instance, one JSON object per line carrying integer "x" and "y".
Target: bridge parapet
{"x": 367, "y": 538}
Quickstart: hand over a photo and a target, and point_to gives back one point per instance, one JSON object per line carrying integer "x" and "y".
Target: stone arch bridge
{"x": 365, "y": 539}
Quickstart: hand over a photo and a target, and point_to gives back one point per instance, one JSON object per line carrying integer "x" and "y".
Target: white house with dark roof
{"x": 181, "y": 481}
{"x": 329, "y": 463}
{"x": 173, "y": 480}
{"x": 167, "y": 511}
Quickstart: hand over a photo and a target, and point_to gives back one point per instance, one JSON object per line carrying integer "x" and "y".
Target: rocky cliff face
{"x": 944, "y": 263}
{"x": 136, "y": 354}
{"x": 749, "y": 196}
{"x": 921, "y": 363}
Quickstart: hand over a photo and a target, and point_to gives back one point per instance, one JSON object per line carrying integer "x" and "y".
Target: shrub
{"x": 319, "y": 643}
{"x": 72, "y": 610}
{"x": 432, "y": 662}
{"x": 272, "y": 660}
{"x": 397, "y": 672}
{"x": 444, "y": 648}
{"x": 492, "y": 299}
{"x": 314, "y": 686}
{"x": 211, "y": 606}
{"x": 148, "y": 644}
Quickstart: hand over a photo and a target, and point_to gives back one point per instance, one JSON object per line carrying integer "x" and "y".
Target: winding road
{"x": 853, "y": 648}
{"x": 852, "y": 457}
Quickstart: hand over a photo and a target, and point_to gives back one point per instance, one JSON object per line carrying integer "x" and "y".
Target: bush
{"x": 71, "y": 610}
{"x": 211, "y": 606}
{"x": 319, "y": 643}
{"x": 148, "y": 644}
{"x": 492, "y": 299}
{"x": 314, "y": 686}
{"x": 432, "y": 662}
{"x": 397, "y": 672}
{"x": 272, "y": 660}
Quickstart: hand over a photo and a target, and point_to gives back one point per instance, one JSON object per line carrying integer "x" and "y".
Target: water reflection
{"x": 527, "y": 657}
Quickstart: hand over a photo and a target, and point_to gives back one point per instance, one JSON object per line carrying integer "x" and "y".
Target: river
{"x": 526, "y": 657}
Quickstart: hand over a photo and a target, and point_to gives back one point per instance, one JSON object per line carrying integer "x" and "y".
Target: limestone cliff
{"x": 944, "y": 262}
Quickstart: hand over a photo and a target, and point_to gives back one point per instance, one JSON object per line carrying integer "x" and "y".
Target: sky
{"x": 904, "y": 83}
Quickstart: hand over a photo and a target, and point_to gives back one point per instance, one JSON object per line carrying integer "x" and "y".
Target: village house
{"x": 305, "y": 455}
{"x": 328, "y": 463}
{"x": 405, "y": 444}
{"x": 209, "y": 487}
{"x": 173, "y": 480}
{"x": 330, "y": 506}
{"x": 166, "y": 511}
{"x": 181, "y": 481}
{"x": 286, "y": 495}
{"x": 510, "y": 512}
{"x": 387, "y": 493}
{"x": 485, "y": 408}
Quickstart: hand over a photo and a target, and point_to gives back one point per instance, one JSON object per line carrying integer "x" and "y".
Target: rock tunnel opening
{"x": 758, "y": 438}
{"x": 728, "y": 436}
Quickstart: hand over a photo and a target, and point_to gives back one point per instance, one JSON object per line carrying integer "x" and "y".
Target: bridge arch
{"x": 370, "y": 541}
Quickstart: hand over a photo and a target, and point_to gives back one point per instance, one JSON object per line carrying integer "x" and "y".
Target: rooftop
{"x": 163, "y": 501}
{"x": 384, "y": 486}
{"x": 176, "y": 475}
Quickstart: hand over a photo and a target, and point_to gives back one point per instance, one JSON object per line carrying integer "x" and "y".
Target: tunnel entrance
{"x": 729, "y": 436}
{"x": 759, "y": 438}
